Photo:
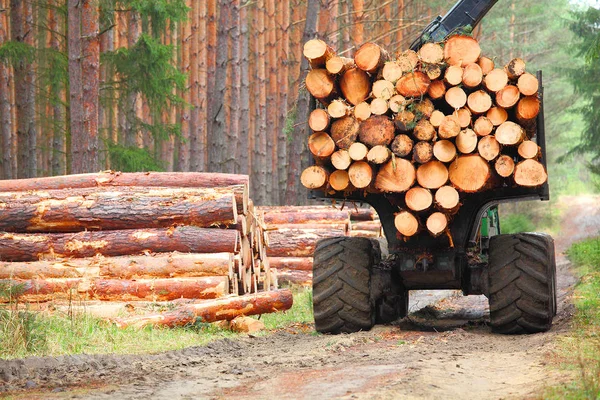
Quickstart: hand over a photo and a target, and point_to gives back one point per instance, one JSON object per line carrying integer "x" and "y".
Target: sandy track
{"x": 444, "y": 351}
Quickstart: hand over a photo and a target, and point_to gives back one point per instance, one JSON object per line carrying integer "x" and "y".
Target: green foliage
{"x": 586, "y": 28}
{"x": 158, "y": 12}
{"x": 301, "y": 312}
{"x": 131, "y": 159}
{"x": 146, "y": 68}
{"x": 516, "y": 223}
{"x": 581, "y": 348}
{"x": 13, "y": 53}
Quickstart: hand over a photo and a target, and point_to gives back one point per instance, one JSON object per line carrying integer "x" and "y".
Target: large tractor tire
{"x": 342, "y": 269}
{"x": 522, "y": 283}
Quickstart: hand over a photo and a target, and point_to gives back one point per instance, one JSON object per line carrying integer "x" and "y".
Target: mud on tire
{"x": 342, "y": 284}
{"x": 522, "y": 280}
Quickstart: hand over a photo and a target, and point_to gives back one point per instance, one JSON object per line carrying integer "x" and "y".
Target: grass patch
{"x": 24, "y": 333}
{"x": 581, "y": 348}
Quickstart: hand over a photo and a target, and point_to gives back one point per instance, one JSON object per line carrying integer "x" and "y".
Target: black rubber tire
{"x": 342, "y": 284}
{"x": 522, "y": 287}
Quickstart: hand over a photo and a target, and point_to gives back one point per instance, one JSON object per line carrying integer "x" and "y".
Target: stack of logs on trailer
{"x": 138, "y": 237}
{"x": 293, "y": 233}
{"x": 431, "y": 126}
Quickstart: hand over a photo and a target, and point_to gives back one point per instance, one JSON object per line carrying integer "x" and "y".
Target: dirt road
{"x": 443, "y": 351}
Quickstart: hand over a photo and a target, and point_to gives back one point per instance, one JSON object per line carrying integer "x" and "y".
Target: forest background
{"x": 216, "y": 85}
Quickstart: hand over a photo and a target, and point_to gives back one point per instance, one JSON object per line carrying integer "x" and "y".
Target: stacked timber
{"x": 425, "y": 128}
{"x": 293, "y": 233}
{"x": 133, "y": 237}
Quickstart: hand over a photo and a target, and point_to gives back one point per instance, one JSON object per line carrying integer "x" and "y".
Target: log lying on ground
{"x": 123, "y": 208}
{"x": 310, "y": 225}
{"x": 112, "y": 178}
{"x": 298, "y": 242}
{"x": 292, "y": 263}
{"x": 32, "y": 247}
{"x": 367, "y": 234}
{"x": 217, "y": 310}
{"x": 122, "y": 290}
{"x": 171, "y": 265}
{"x": 289, "y": 277}
{"x": 366, "y": 226}
{"x": 307, "y": 216}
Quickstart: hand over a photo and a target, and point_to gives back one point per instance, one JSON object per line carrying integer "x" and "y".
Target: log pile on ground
{"x": 137, "y": 237}
{"x": 293, "y": 233}
{"x": 429, "y": 127}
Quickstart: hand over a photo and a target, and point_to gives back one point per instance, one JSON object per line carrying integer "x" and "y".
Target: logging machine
{"x": 516, "y": 272}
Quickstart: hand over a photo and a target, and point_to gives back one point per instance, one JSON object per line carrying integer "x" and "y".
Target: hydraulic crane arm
{"x": 464, "y": 13}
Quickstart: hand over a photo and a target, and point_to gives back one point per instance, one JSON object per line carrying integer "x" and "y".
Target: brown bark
{"x": 314, "y": 177}
{"x": 84, "y": 144}
{"x": 310, "y": 225}
{"x": 244, "y": 146}
{"x": 124, "y": 209}
{"x": 530, "y": 173}
{"x": 125, "y": 290}
{"x": 377, "y": 130}
{"x": 292, "y": 277}
{"x": 370, "y": 57}
{"x": 404, "y": 121}
{"x": 418, "y": 199}
{"x": 413, "y": 84}
{"x": 112, "y": 178}
{"x": 366, "y": 226}
{"x": 182, "y": 162}
{"x": 6, "y": 137}
{"x": 515, "y": 68}
{"x": 425, "y": 107}
{"x": 292, "y": 263}
{"x": 344, "y": 132}
{"x": 469, "y": 173}
{"x": 31, "y": 247}
{"x": 395, "y": 176}
{"x": 461, "y": 50}
{"x": 432, "y": 175}
{"x": 424, "y": 130}
{"x": 355, "y": 85}
{"x": 406, "y": 223}
{"x": 360, "y": 174}
{"x": 217, "y": 310}
{"x": 23, "y": 30}
{"x": 422, "y": 152}
{"x": 298, "y": 242}
{"x": 357, "y": 24}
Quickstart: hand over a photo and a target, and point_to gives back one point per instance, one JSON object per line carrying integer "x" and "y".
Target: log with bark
{"x": 292, "y": 263}
{"x": 290, "y": 277}
{"x": 35, "y": 246}
{"x": 217, "y": 310}
{"x": 298, "y": 242}
{"x": 120, "y": 208}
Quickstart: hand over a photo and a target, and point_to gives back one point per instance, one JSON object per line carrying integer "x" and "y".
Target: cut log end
{"x": 504, "y": 166}
{"x": 355, "y": 85}
{"x": 469, "y": 173}
{"x": 370, "y": 57}
{"x": 447, "y": 198}
{"x": 530, "y": 173}
{"x": 510, "y": 133}
{"x": 444, "y": 151}
{"x": 339, "y": 180}
{"x": 488, "y": 147}
{"x": 321, "y": 145}
{"x": 318, "y": 120}
{"x": 396, "y": 176}
{"x": 379, "y": 154}
{"x": 496, "y": 80}
{"x": 341, "y": 159}
{"x": 314, "y": 177}
{"x": 437, "y": 223}
{"x": 413, "y": 84}
{"x": 406, "y": 223}
{"x": 432, "y": 175}
{"x": 418, "y": 199}
{"x": 528, "y": 84}
{"x": 360, "y": 174}
{"x": 461, "y": 50}
{"x": 529, "y": 149}
{"x": 320, "y": 84}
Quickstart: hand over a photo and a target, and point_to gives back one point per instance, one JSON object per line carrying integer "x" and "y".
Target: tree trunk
{"x": 6, "y": 127}
{"x": 84, "y": 143}
{"x": 123, "y": 209}
{"x": 24, "y": 76}
{"x": 296, "y": 148}
{"x": 272, "y": 91}
{"x": 172, "y": 265}
{"x": 217, "y": 310}
{"x": 243, "y": 148}
{"x": 151, "y": 179}
{"x": 31, "y": 247}
{"x": 283, "y": 76}
{"x": 298, "y": 242}
{"x": 195, "y": 121}
{"x": 232, "y": 141}
{"x": 133, "y": 137}
{"x": 125, "y": 290}
{"x": 358, "y": 26}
